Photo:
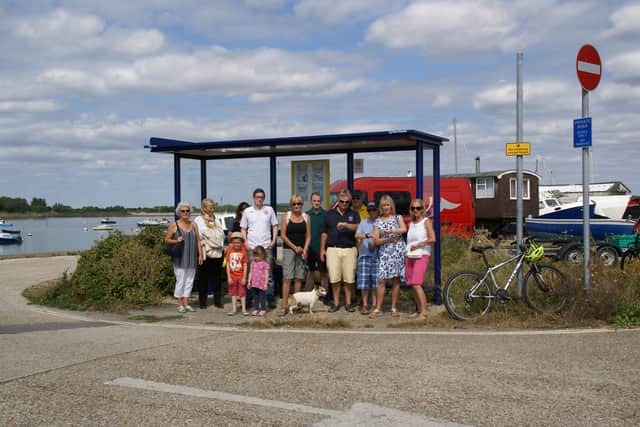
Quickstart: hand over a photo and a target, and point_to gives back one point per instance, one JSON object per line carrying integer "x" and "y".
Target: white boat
{"x": 102, "y": 227}
{"x": 4, "y": 223}
{"x": 612, "y": 206}
{"x": 551, "y": 207}
{"x": 107, "y": 221}
{"x": 9, "y": 238}
{"x": 149, "y": 223}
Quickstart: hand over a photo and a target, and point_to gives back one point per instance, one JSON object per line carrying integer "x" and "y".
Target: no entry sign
{"x": 588, "y": 67}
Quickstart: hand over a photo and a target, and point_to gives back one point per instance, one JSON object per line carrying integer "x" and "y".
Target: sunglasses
{"x": 345, "y": 202}
{"x": 417, "y": 208}
{"x": 296, "y": 204}
{"x": 372, "y": 209}
{"x": 185, "y": 210}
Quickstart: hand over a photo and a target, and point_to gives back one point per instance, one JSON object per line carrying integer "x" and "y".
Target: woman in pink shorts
{"x": 420, "y": 237}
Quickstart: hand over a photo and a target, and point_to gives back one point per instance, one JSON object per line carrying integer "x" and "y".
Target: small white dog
{"x": 306, "y": 299}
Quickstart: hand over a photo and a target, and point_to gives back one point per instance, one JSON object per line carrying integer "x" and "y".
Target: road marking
{"x": 359, "y": 414}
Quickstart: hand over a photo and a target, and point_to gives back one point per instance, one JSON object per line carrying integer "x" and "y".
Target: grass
{"x": 150, "y": 318}
{"x": 308, "y": 323}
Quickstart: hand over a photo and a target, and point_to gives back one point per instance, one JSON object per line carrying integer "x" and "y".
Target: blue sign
{"x": 582, "y": 132}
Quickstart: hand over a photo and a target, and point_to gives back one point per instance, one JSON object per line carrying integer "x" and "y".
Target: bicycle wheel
{"x": 545, "y": 289}
{"x": 463, "y": 302}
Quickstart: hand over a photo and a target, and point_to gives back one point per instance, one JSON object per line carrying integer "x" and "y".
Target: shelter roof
{"x": 498, "y": 174}
{"x": 394, "y": 140}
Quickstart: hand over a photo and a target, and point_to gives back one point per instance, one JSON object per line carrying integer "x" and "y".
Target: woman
{"x": 185, "y": 264}
{"x": 212, "y": 238}
{"x": 236, "y": 222}
{"x": 419, "y": 240}
{"x": 387, "y": 235}
{"x": 296, "y": 237}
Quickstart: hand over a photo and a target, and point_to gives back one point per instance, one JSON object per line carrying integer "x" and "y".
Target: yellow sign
{"x": 518, "y": 149}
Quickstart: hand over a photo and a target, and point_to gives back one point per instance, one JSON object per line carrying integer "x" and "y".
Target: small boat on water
{"x": 10, "y": 238}
{"x": 107, "y": 221}
{"x": 102, "y": 227}
{"x": 600, "y": 228}
{"x": 149, "y": 223}
{"x": 4, "y": 223}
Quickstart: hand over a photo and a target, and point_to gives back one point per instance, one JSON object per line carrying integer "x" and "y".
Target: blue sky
{"x": 85, "y": 84}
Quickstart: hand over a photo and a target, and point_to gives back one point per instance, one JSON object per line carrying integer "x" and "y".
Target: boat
{"x": 551, "y": 207}
{"x": 4, "y": 223}
{"x": 149, "y": 223}
{"x": 10, "y": 238}
{"x": 102, "y": 227}
{"x": 613, "y": 206}
{"x": 553, "y": 228}
{"x": 107, "y": 221}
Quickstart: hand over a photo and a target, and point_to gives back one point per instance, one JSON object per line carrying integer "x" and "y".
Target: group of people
{"x": 353, "y": 240}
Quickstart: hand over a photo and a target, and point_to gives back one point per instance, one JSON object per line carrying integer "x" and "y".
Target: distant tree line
{"x": 19, "y": 205}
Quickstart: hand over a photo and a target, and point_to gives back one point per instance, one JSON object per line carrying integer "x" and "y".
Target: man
{"x": 317, "y": 217}
{"x": 259, "y": 227}
{"x": 358, "y": 204}
{"x": 338, "y": 250}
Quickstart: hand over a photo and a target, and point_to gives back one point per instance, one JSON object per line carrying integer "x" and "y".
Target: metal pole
{"x": 519, "y": 183}
{"x": 177, "y": 192}
{"x": 455, "y": 145}
{"x": 585, "y": 196}
{"x": 203, "y": 178}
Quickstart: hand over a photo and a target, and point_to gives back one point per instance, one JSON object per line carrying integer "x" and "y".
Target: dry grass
{"x": 305, "y": 323}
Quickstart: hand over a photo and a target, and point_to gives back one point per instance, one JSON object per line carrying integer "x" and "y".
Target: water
{"x": 62, "y": 234}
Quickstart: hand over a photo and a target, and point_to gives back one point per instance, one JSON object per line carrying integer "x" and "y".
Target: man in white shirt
{"x": 259, "y": 226}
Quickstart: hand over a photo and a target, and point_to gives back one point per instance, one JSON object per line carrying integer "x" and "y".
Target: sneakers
{"x": 181, "y": 309}
{"x": 231, "y": 313}
{"x": 189, "y": 308}
{"x": 351, "y": 307}
{"x": 262, "y": 313}
{"x": 333, "y": 308}
{"x": 255, "y": 312}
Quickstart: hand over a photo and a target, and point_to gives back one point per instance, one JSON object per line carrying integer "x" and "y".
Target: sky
{"x": 84, "y": 84}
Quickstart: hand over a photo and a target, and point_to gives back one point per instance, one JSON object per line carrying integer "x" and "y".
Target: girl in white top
{"x": 420, "y": 237}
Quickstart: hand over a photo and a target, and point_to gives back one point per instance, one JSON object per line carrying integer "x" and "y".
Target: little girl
{"x": 258, "y": 280}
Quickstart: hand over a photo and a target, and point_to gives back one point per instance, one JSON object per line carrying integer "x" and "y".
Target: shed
{"x": 425, "y": 146}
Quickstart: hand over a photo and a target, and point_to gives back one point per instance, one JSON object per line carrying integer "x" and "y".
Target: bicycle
{"x": 470, "y": 294}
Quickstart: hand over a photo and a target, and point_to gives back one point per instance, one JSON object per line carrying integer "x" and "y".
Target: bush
{"x": 116, "y": 272}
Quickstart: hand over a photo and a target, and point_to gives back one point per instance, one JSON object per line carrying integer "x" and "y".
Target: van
{"x": 457, "y": 214}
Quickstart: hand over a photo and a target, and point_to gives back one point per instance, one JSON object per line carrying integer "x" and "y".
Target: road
{"x": 63, "y": 368}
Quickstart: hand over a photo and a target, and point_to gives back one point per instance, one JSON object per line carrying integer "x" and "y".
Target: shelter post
{"x": 437, "y": 273}
{"x": 203, "y": 179}
{"x": 273, "y": 184}
{"x": 177, "y": 193}
{"x": 350, "y": 181}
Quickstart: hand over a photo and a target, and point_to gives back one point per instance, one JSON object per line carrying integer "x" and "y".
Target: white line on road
{"x": 360, "y": 414}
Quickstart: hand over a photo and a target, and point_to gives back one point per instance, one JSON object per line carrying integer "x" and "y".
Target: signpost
{"x": 589, "y": 71}
{"x": 518, "y": 149}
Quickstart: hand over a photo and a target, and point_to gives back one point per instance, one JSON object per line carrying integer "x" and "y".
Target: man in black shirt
{"x": 338, "y": 249}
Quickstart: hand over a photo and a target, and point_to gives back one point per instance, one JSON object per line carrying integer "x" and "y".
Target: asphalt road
{"x": 61, "y": 368}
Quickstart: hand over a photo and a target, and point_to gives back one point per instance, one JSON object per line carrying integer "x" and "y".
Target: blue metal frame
{"x": 413, "y": 141}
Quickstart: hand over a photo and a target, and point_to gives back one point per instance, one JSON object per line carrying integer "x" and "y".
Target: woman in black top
{"x": 296, "y": 237}
{"x": 236, "y": 222}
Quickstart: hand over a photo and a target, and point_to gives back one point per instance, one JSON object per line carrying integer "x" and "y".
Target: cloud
{"x": 538, "y": 95}
{"x": 625, "y": 68}
{"x": 335, "y": 11}
{"x": 624, "y": 22}
{"x": 258, "y": 74}
{"x": 442, "y": 100}
{"x": 34, "y": 106}
{"x": 444, "y": 27}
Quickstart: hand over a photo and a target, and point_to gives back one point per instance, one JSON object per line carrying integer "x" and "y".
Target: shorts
{"x": 341, "y": 263}
{"x": 367, "y": 272}
{"x": 293, "y": 266}
{"x": 314, "y": 263}
{"x": 416, "y": 268}
{"x": 236, "y": 288}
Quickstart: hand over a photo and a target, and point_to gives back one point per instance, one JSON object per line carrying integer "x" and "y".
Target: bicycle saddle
{"x": 481, "y": 249}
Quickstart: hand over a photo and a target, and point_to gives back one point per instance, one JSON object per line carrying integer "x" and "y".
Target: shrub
{"x": 117, "y": 271}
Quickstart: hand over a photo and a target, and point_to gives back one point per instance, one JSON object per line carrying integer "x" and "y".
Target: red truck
{"x": 457, "y": 215}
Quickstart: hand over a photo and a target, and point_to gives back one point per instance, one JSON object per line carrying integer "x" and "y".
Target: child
{"x": 236, "y": 259}
{"x": 258, "y": 280}
{"x": 367, "y": 258}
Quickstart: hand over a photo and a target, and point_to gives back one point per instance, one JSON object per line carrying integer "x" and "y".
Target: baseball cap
{"x": 371, "y": 205}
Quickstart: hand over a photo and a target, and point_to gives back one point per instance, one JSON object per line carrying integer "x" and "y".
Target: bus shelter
{"x": 426, "y": 148}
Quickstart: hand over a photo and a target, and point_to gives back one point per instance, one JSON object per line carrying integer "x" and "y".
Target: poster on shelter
{"x": 310, "y": 176}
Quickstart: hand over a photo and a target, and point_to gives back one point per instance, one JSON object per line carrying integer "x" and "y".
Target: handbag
{"x": 174, "y": 249}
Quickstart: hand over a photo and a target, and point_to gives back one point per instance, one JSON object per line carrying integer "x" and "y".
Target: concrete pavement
{"x": 55, "y": 371}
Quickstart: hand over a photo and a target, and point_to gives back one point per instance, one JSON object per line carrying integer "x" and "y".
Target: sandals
{"x": 375, "y": 313}
{"x": 394, "y": 312}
